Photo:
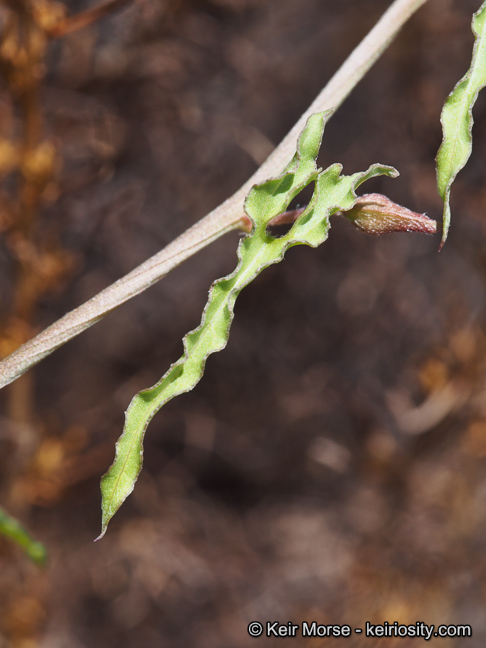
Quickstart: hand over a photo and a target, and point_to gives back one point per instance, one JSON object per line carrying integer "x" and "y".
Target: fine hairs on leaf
{"x": 227, "y": 216}
{"x": 457, "y": 119}
{"x": 333, "y": 192}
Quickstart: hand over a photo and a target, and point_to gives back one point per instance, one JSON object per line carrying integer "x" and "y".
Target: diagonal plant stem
{"x": 85, "y": 18}
{"x": 228, "y": 216}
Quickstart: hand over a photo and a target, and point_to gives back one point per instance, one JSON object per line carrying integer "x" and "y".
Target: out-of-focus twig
{"x": 22, "y": 51}
{"x": 85, "y": 18}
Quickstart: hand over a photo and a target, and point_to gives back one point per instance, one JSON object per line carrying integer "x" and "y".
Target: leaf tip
{"x": 107, "y": 513}
{"x": 446, "y": 221}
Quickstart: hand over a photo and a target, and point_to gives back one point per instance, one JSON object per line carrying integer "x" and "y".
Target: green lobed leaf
{"x": 256, "y": 252}
{"x": 457, "y": 119}
{"x": 12, "y": 529}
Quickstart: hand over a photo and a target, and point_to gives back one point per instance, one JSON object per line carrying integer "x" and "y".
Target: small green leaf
{"x": 11, "y": 528}
{"x": 457, "y": 119}
{"x": 256, "y": 252}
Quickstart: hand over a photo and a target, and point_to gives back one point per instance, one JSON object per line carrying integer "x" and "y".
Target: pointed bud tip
{"x": 377, "y": 215}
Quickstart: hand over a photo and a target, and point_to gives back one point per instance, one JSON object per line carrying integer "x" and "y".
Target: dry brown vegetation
{"x": 331, "y": 465}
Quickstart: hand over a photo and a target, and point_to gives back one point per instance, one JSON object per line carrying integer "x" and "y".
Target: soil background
{"x": 331, "y": 465}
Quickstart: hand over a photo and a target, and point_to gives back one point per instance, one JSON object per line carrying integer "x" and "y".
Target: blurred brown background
{"x": 331, "y": 464}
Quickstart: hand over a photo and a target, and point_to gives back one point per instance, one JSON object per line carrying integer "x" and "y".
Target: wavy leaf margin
{"x": 333, "y": 192}
{"x": 457, "y": 119}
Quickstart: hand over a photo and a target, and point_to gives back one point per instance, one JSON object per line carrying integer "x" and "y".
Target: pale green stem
{"x": 229, "y": 215}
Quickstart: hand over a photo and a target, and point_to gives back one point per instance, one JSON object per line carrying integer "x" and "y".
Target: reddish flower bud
{"x": 376, "y": 214}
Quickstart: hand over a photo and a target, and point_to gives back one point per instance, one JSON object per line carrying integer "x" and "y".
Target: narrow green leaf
{"x": 11, "y": 528}
{"x": 457, "y": 119}
{"x": 257, "y": 251}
